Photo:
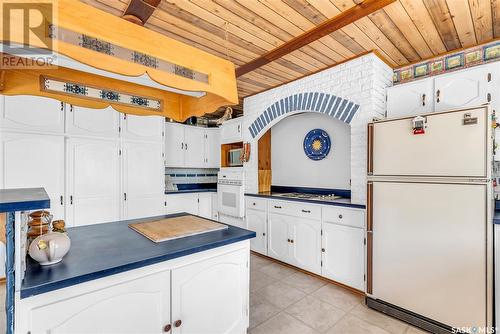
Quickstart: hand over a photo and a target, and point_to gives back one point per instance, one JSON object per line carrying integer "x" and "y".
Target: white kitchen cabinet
{"x": 174, "y": 145}
{"x": 410, "y": 99}
{"x": 466, "y": 88}
{"x": 146, "y": 128}
{"x": 143, "y": 179}
{"x": 305, "y": 241}
{"x": 191, "y": 146}
{"x": 143, "y": 304}
{"x": 93, "y": 181}
{"x": 212, "y": 148}
{"x": 187, "y": 202}
{"x": 31, "y": 161}
{"x": 194, "y": 146}
{"x": 211, "y": 296}
{"x": 257, "y": 222}
{"x": 92, "y": 122}
{"x": 205, "y": 205}
{"x": 32, "y": 113}
{"x": 279, "y": 238}
{"x": 215, "y": 208}
{"x": 344, "y": 254}
{"x": 231, "y": 131}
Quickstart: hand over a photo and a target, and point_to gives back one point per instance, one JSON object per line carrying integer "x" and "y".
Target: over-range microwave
{"x": 235, "y": 157}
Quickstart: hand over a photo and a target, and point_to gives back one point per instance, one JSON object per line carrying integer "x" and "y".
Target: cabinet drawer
{"x": 349, "y": 217}
{"x": 295, "y": 209}
{"x": 256, "y": 203}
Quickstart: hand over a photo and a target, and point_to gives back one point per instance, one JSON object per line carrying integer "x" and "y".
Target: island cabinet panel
{"x": 257, "y": 222}
{"x": 92, "y": 122}
{"x": 211, "y": 296}
{"x": 343, "y": 256}
{"x": 93, "y": 181}
{"x": 147, "y": 128}
{"x": 32, "y": 113}
{"x": 31, "y": 161}
{"x": 143, "y": 180}
{"x": 137, "y": 306}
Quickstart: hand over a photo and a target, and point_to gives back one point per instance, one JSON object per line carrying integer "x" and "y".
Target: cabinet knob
{"x": 263, "y": 234}
{"x": 178, "y": 323}
{"x": 287, "y": 240}
{"x": 167, "y": 328}
{"x": 253, "y": 204}
{"x": 340, "y": 216}
{"x": 323, "y": 250}
{"x": 291, "y": 240}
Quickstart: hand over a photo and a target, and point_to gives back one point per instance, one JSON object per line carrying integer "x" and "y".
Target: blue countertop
{"x": 23, "y": 199}
{"x": 345, "y": 202}
{"x": 105, "y": 249}
{"x": 496, "y": 217}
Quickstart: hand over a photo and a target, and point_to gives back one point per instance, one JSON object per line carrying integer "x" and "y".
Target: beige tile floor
{"x": 287, "y": 301}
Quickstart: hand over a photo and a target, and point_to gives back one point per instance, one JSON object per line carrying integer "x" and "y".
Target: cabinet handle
{"x": 182, "y": 146}
{"x": 488, "y": 97}
{"x": 178, "y": 323}
{"x": 61, "y": 199}
{"x": 306, "y": 211}
{"x": 340, "y": 216}
{"x": 264, "y": 234}
{"x": 239, "y": 128}
{"x": 287, "y": 240}
{"x": 71, "y": 200}
{"x": 438, "y": 96}
{"x": 322, "y": 250}
{"x": 186, "y": 146}
{"x": 423, "y": 99}
{"x": 167, "y": 328}
{"x": 124, "y": 196}
{"x": 277, "y": 207}
{"x": 291, "y": 240}
{"x": 62, "y": 106}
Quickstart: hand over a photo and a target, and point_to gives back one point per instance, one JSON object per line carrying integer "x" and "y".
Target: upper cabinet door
{"x": 467, "y": 88}
{"x": 32, "y": 160}
{"x": 194, "y": 145}
{"x": 92, "y": 122}
{"x": 32, "y": 113}
{"x": 410, "y": 99}
{"x": 93, "y": 181}
{"x": 212, "y": 148}
{"x": 174, "y": 145}
{"x": 143, "y": 180}
{"x": 231, "y": 131}
{"x": 147, "y": 128}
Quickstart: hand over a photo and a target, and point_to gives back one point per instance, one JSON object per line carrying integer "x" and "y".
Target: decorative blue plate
{"x": 317, "y": 144}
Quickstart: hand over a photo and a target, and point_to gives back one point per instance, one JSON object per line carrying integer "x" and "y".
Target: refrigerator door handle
{"x": 370, "y": 150}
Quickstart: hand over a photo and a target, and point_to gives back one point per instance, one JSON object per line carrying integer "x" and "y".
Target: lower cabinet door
{"x": 256, "y": 221}
{"x": 137, "y": 306}
{"x": 177, "y": 203}
{"x": 344, "y": 256}
{"x": 305, "y": 235}
{"x": 211, "y": 296}
{"x": 278, "y": 239}
{"x": 205, "y": 205}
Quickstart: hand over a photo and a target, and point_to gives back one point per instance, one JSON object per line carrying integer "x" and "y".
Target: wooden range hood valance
{"x": 194, "y": 82}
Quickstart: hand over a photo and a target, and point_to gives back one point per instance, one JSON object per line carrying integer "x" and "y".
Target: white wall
{"x": 362, "y": 80}
{"x": 291, "y": 166}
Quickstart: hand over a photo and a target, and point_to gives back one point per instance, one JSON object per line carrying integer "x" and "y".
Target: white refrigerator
{"x": 429, "y": 219}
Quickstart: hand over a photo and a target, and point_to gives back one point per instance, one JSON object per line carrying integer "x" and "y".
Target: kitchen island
{"x": 115, "y": 280}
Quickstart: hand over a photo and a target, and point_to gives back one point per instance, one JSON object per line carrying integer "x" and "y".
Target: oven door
{"x": 230, "y": 198}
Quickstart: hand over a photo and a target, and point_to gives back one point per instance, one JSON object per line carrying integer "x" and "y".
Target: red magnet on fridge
{"x": 419, "y": 125}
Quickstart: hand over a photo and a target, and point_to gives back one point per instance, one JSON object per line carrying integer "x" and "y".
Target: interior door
{"x": 429, "y": 249}
{"x": 256, "y": 221}
{"x": 32, "y": 113}
{"x": 93, "y": 122}
{"x": 221, "y": 308}
{"x": 143, "y": 179}
{"x": 343, "y": 258}
{"x": 147, "y": 128}
{"x": 447, "y": 148}
{"x": 411, "y": 98}
{"x": 31, "y": 161}
{"x": 466, "y": 88}
{"x": 305, "y": 235}
{"x": 278, "y": 241}
{"x": 194, "y": 143}
{"x": 138, "y": 306}
{"x": 174, "y": 145}
{"x": 93, "y": 181}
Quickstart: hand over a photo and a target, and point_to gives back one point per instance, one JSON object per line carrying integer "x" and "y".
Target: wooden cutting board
{"x": 176, "y": 227}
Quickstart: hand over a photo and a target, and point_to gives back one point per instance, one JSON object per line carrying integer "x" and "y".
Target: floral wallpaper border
{"x": 470, "y": 57}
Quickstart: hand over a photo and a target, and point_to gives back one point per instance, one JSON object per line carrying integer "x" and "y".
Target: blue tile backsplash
{"x": 176, "y": 176}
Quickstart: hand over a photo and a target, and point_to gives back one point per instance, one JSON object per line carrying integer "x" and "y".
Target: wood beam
{"x": 337, "y": 22}
{"x": 139, "y": 11}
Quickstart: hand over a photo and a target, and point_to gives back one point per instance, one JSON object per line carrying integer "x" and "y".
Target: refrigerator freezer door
{"x": 448, "y": 147}
{"x": 429, "y": 250}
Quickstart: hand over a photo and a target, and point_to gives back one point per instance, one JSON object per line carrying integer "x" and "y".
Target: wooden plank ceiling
{"x": 241, "y": 30}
